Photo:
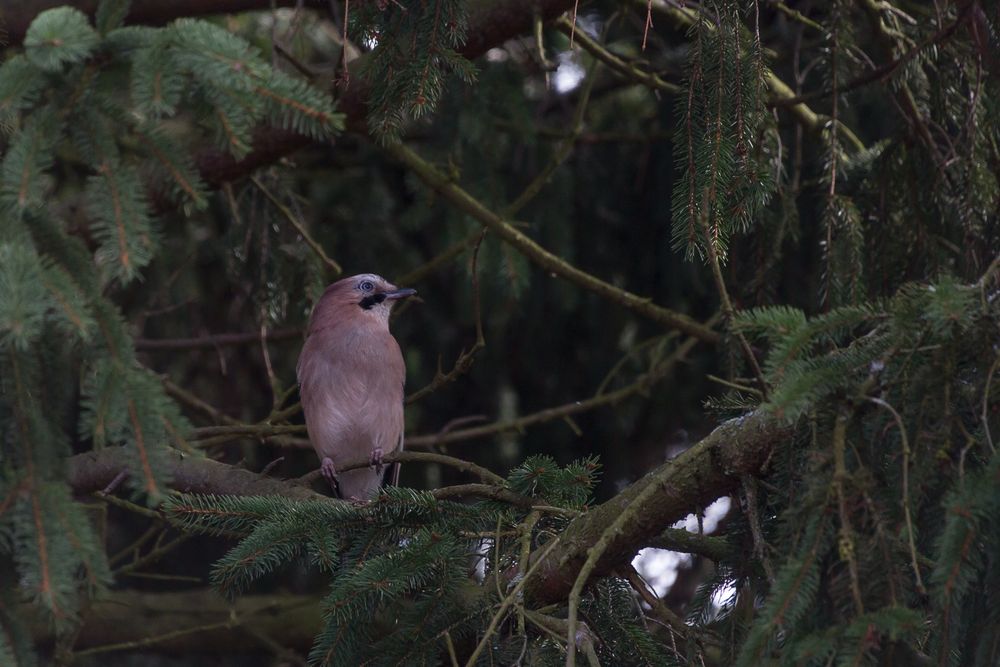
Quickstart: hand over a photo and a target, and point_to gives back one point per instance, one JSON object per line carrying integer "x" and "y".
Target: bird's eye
{"x": 366, "y": 286}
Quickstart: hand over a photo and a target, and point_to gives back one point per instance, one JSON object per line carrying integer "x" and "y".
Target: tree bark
{"x": 93, "y": 471}
{"x": 686, "y": 484}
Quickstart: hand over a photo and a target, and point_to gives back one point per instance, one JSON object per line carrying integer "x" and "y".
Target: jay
{"x": 351, "y": 376}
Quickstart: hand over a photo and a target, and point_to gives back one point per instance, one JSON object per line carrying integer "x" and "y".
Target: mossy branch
{"x": 708, "y": 470}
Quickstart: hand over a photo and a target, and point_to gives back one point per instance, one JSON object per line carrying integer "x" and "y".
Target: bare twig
{"x": 483, "y": 491}
{"x": 562, "y": 152}
{"x": 727, "y": 306}
{"x": 509, "y": 600}
{"x": 642, "y": 383}
{"x": 196, "y": 403}
{"x": 487, "y": 476}
{"x": 664, "y": 613}
{"x": 272, "y": 465}
{"x": 906, "y": 489}
{"x": 214, "y": 340}
{"x": 440, "y": 260}
{"x": 331, "y": 264}
{"x": 465, "y": 358}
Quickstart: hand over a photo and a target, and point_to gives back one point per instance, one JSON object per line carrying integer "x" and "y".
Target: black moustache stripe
{"x": 371, "y": 300}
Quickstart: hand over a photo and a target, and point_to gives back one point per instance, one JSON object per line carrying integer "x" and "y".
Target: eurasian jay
{"x": 351, "y": 376}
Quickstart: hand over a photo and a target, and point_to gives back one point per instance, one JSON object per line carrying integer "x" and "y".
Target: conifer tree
{"x": 825, "y": 313}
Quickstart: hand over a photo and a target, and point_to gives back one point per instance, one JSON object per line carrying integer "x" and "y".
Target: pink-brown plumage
{"x": 351, "y": 376}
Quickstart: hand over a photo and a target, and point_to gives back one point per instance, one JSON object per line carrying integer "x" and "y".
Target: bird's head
{"x": 363, "y": 296}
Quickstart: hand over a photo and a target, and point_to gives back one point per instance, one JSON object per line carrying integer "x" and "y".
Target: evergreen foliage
{"x": 95, "y": 106}
{"x": 408, "y": 568}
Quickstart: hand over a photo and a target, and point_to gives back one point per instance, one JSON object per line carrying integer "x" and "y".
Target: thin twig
{"x": 984, "y": 416}
{"x": 497, "y": 493}
{"x": 271, "y": 466}
{"x": 488, "y": 477}
{"x": 727, "y": 308}
{"x": 440, "y": 260}
{"x": 674, "y": 623}
{"x": 642, "y": 383}
{"x": 509, "y": 600}
{"x": 840, "y": 475}
{"x": 465, "y": 358}
{"x": 749, "y": 485}
{"x": 158, "y": 552}
{"x": 906, "y": 488}
{"x": 331, "y": 264}
{"x": 151, "y": 641}
{"x": 192, "y": 401}
{"x": 562, "y": 152}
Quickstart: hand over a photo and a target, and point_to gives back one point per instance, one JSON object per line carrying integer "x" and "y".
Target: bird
{"x": 351, "y": 378}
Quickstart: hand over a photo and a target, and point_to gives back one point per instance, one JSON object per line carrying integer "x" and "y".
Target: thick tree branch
{"x": 710, "y": 469}
{"x": 92, "y": 471}
{"x": 678, "y": 539}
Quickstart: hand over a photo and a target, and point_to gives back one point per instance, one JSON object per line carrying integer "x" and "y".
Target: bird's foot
{"x": 329, "y": 472}
{"x": 375, "y": 460}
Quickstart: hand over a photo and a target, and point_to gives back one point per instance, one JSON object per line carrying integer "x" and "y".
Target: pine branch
{"x": 685, "y": 18}
{"x": 17, "y": 16}
{"x": 490, "y": 24}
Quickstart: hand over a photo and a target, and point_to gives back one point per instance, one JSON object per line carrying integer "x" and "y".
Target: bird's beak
{"x": 399, "y": 294}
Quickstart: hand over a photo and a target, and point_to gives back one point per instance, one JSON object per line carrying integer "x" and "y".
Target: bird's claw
{"x": 375, "y": 460}
{"x": 329, "y": 472}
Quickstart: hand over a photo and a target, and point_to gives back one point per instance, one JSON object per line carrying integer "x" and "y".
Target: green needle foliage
{"x": 98, "y": 104}
{"x": 408, "y": 568}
